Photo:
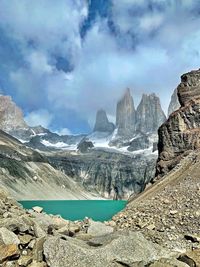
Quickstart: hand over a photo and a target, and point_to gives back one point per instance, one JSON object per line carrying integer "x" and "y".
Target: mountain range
{"x": 114, "y": 161}
{"x": 159, "y": 227}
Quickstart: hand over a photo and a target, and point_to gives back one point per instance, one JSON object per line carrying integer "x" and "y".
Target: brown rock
{"x": 180, "y": 134}
{"x": 8, "y": 252}
{"x": 24, "y": 260}
{"x": 38, "y": 249}
{"x": 25, "y": 239}
{"x": 37, "y": 264}
{"x": 189, "y": 88}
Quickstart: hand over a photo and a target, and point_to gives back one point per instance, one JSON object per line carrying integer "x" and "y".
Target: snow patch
{"x": 60, "y": 145}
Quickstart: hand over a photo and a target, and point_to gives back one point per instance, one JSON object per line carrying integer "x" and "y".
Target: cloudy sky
{"x": 62, "y": 60}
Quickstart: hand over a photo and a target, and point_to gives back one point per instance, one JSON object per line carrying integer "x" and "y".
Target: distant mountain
{"x": 102, "y": 124}
{"x": 125, "y": 115}
{"x": 149, "y": 114}
{"x": 27, "y": 174}
{"x": 174, "y": 103}
{"x": 11, "y": 116}
{"x": 113, "y": 161}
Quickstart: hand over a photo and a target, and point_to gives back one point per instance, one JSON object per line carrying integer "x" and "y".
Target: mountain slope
{"x": 167, "y": 212}
{"x": 28, "y": 175}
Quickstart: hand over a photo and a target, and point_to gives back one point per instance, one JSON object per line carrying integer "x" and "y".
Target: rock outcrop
{"x": 113, "y": 175}
{"x": 149, "y": 114}
{"x": 180, "y": 134}
{"x": 174, "y": 103}
{"x": 102, "y": 124}
{"x": 188, "y": 89}
{"x": 11, "y": 116}
{"x": 125, "y": 115}
{"x": 84, "y": 146}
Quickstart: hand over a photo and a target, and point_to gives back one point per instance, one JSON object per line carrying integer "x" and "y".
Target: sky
{"x": 63, "y": 60}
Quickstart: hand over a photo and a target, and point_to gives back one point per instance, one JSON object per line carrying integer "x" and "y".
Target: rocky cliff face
{"x": 149, "y": 114}
{"x": 102, "y": 124}
{"x": 181, "y": 132}
{"x": 174, "y": 103}
{"x": 28, "y": 175}
{"x": 11, "y": 116}
{"x": 188, "y": 89}
{"x": 125, "y": 115}
{"x": 113, "y": 175}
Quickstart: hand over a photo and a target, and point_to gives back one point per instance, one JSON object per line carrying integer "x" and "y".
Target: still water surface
{"x": 99, "y": 210}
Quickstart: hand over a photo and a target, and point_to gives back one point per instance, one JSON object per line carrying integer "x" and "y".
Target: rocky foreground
{"x": 35, "y": 239}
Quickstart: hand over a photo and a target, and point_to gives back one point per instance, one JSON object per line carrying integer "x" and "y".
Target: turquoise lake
{"x": 99, "y": 210}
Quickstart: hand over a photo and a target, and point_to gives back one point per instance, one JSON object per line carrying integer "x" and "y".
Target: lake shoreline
{"x": 100, "y": 210}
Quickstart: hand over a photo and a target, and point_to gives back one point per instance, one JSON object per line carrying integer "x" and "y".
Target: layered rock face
{"x": 125, "y": 115}
{"x": 181, "y": 132}
{"x": 102, "y": 124}
{"x": 149, "y": 114}
{"x": 174, "y": 103}
{"x": 11, "y": 116}
{"x": 189, "y": 87}
{"x": 113, "y": 175}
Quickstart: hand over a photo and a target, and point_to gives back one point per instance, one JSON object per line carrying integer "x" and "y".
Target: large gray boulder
{"x": 125, "y": 249}
{"x": 98, "y": 229}
{"x": 7, "y": 237}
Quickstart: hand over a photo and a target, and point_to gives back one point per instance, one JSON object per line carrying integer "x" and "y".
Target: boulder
{"x": 24, "y": 260}
{"x": 37, "y": 209}
{"x": 8, "y": 252}
{"x": 25, "y": 239}
{"x": 38, "y": 249}
{"x": 7, "y": 237}
{"x": 98, "y": 228}
{"x": 125, "y": 249}
{"x": 38, "y": 264}
{"x": 168, "y": 263}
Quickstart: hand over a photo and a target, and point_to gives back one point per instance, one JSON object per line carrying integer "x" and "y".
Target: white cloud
{"x": 48, "y": 25}
{"x": 64, "y": 131}
{"x": 150, "y": 49}
{"x": 39, "y": 117}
